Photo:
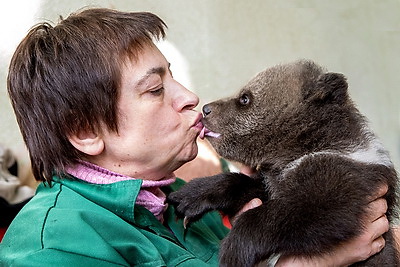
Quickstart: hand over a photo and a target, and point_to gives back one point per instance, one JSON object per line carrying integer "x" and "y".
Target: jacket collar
{"x": 118, "y": 197}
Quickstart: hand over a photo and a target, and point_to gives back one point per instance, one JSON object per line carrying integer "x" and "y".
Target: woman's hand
{"x": 358, "y": 249}
{"x": 255, "y": 202}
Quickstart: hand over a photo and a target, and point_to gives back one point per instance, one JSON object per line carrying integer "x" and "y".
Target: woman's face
{"x": 157, "y": 126}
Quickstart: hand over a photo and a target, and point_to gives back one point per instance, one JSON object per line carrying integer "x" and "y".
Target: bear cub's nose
{"x": 206, "y": 110}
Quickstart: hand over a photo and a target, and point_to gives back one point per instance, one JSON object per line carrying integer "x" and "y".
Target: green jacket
{"x": 74, "y": 223}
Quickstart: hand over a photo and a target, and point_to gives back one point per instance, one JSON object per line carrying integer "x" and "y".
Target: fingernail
{"x": 254, "y": 203}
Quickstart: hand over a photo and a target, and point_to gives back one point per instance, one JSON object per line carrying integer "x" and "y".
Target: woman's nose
{"x": 187, "y": 99}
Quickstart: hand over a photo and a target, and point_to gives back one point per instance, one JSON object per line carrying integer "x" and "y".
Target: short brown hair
{"x": 65, "y": 78}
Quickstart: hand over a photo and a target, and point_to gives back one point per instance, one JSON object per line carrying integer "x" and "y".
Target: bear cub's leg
{"x": 226, "y": 192}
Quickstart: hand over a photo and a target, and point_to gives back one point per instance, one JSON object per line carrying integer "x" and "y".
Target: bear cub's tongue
{"x": 206, "y": 132}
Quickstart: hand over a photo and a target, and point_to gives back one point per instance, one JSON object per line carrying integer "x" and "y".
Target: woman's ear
{"x": 89, "y": 143}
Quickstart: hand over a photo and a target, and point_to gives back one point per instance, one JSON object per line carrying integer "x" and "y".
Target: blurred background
{"x": 216, "y": 46}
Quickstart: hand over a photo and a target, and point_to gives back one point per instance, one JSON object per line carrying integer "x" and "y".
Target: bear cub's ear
{"x": 329, "y": 87}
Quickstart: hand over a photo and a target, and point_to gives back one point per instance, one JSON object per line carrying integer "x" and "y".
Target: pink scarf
{"x": 150, "y": 195}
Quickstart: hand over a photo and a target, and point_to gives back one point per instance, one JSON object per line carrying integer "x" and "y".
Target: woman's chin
{"x": 192, "y": 153}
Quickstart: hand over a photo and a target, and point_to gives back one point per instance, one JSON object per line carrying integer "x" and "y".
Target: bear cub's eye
{"x": 244, "y": 99}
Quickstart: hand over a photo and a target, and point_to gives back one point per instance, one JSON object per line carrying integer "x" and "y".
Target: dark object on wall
{"x": 13, "y": 196}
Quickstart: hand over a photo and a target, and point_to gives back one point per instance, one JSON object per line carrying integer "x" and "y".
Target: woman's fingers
{"x": 377, "y": 206}
{"x": 380, "y": 192}
{"x": 378, "y": 227}
{"x": 254, "y": 203}
{"x": 376, "y": 209}
{"x": 377, "y": 245}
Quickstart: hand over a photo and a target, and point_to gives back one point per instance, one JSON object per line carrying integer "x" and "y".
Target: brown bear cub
{"x": 317, "y": 164}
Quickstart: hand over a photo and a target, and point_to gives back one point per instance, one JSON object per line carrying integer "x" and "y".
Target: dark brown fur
{"x": 317, "y": 166}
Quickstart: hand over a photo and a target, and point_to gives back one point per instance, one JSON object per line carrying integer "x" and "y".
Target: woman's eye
{"x": 244, "y": 99}
{"x": 157, "y": 91}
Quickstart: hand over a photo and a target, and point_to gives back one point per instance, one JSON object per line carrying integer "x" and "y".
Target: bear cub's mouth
{"x": 207, "y": 133}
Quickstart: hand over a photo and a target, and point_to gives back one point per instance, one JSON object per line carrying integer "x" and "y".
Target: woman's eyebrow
{"x": 157, "y": 70}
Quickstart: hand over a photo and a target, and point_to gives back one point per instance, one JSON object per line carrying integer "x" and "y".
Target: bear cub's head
{"x": 283, "y": 113}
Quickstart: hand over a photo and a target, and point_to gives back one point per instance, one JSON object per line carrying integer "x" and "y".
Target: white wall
{"x": 219, "y": 44}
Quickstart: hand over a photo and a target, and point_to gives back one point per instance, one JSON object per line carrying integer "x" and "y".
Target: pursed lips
{"x": 203, "y": 130}
{"x": 198, "y": 125}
